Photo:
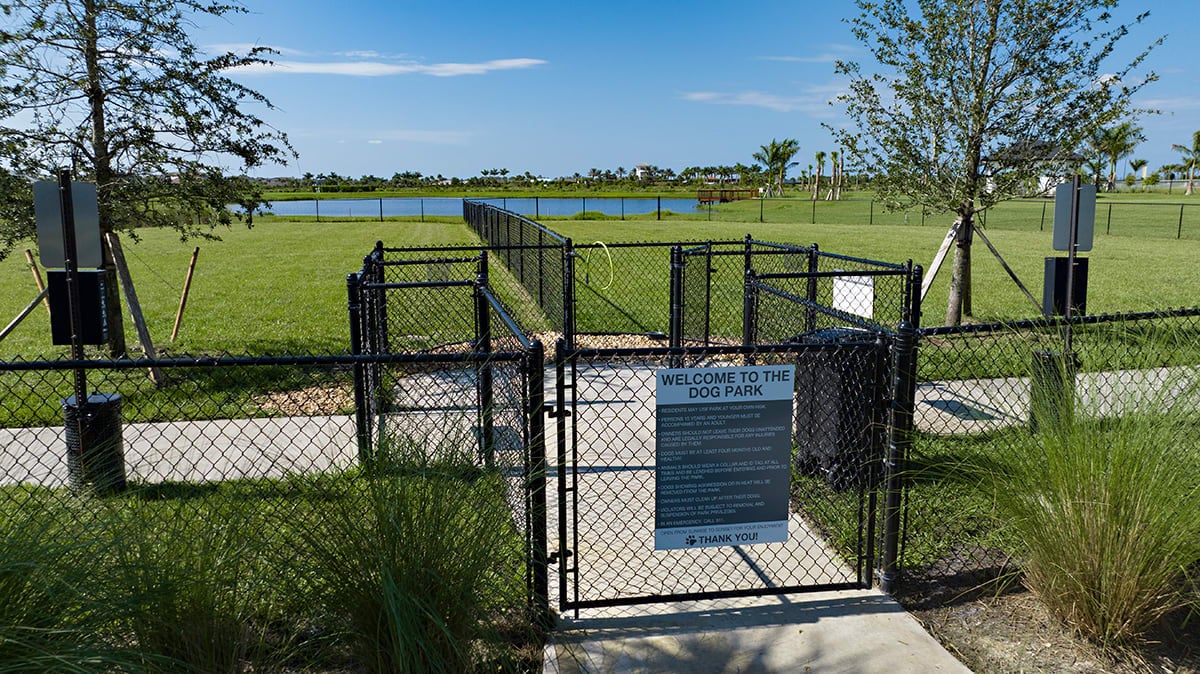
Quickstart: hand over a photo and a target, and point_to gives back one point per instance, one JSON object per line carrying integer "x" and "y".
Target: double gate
{"x": 733, "y": 306}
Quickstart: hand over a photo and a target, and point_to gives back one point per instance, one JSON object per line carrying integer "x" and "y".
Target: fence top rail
{"x": 536, "y": 225}
{"x": 832, "y": 274}
{"x": 658, "y": 244}
{"x": 562, "y": 353}
{"x": 419, "y": 284}
{"x": 469, "y": 357}
{"x": 782, "y": 247}
{"x": 863, "y": 260}
{"x": 852, "y": 319}
{"x": 450, "y": 248}
{"x": 506, "y": 318}
{"x": 428, "y": 260}
{"x": 1055, "y": 322}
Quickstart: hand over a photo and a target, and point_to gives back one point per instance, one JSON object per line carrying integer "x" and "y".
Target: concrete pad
{"x": 847, "y": 631}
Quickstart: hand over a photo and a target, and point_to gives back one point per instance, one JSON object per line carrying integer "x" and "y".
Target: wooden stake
{"x": 37, "y": 278}
{"x": 938, "y": 259}
{"x": 21, "y": 316}
{"x": 187, "y": 285}
{"x": 135, "y": 308}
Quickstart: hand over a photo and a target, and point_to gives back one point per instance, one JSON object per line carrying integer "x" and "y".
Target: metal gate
{"x": 842, "y": 414}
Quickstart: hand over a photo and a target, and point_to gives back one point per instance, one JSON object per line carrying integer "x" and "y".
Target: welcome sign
{"x": 722, "y": 456}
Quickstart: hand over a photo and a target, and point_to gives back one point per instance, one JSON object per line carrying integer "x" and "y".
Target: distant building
{"x": 642, "y": 171}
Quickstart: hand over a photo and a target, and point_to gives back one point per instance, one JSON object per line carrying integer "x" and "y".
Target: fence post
{"x": 761, "y": 201}
{"x": 361, "y": 418}
{"x": 899, "y": 440}
{"x": 381, "y": 209}
{"x": 814, "y": 213}
{"x": 1042, "y": 224}
{"x": 660, "y": 208}
{"x": 1179, "y": 232}
{"x": 1108, "y": 223}
{"x": 675, "y": 331}
{"x": 317, "y": 206}
{"x": 871, "y": 220}
{"x": 568, "y": 290}
{"x": 483, "y": 351}
{"x": 814, "y": 265}
{"x": 540, "y": 583}
{"x": 749, "y": 312}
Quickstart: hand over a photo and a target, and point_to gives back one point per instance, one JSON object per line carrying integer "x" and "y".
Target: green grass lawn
{"x": 280, "y": 286}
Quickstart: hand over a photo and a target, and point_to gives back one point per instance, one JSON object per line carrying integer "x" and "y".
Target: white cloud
{"x": 833, "y": 53}
{"x": 814, "y": 101}
{"x": 374, "y": 141}
{"x": 380, "y": 69}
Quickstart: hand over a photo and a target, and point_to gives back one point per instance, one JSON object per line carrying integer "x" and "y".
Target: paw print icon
{"x": 691, "y": 540}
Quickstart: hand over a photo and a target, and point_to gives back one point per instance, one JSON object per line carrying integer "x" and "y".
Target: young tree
{"x": 1190, "y": 160}
{"x": 1116, "y": 143}
{"x": 777, "y": 156}
{"x": 117, "y": 90}
{"x": 973, "y": 97}
{"x": 820, "y": 157}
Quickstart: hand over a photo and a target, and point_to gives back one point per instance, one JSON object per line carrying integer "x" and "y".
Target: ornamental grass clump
{"x": 1106, "y": 512}
{"x": 418, "y": 563}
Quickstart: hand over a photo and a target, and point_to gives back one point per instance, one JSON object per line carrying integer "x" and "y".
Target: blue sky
{"x": 558, "y": 87}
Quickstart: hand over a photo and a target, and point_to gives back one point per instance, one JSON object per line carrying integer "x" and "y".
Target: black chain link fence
{"x": 981, "y": 384}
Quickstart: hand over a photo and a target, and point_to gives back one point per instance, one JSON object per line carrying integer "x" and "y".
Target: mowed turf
{"x": 281, "y": 286}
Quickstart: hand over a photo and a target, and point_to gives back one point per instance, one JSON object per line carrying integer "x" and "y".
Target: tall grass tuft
{"x": 51, "y": 619}
{"x": 192, "y": 589}
{"x": 1107, "y": 513}
{"x": 418, "y": 560}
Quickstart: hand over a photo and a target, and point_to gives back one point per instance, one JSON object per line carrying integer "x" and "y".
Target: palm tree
{"x": 1191, "y": 158}
{"x": 1116, "y": 143}
{"x": 1137, "y": 165}
{"x": 777, "y": 157}
{"x": 820, "y": 157}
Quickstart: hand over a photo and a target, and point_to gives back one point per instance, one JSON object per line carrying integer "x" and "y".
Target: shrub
{"x": 1107, "y": 513}
{"x": 418, "y": 561}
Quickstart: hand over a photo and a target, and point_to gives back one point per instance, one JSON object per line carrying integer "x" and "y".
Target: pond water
{"x": 533, "y": 207}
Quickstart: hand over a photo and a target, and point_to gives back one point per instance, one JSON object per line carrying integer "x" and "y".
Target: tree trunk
{"x": 103, "y": 166}
{"x": 958, "y": 303}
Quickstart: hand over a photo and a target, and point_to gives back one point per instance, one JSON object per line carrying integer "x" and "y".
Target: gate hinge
{"x": 553, "y": 411}
{"x": 554, "y": 556}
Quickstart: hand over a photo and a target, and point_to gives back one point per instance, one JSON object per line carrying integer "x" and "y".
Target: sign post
{"x": 723, "y": 456}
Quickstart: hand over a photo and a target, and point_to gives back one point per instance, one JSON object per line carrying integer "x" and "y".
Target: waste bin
{"x": 839, "y": 431}
{"x": 96, "y": 458}
{"x": 1052, "y": 388}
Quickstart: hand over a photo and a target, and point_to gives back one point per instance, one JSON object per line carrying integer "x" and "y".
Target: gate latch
{"x": 550, "y": 409}
{"x": 554, "y": 556}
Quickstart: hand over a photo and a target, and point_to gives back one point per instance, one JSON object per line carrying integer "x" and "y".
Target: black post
{"x": 814, "y": 212}
{"x": 560, "y": 433}
{"x": 1108, "y": 224}
{"x": 761, "y": 201}
{"x": 1042, "y": 224}
{"x": 540, "y": 590}
{"x": 361, "y": 415}
{"x": 749, "y": 312}
{"x": 422, "y": 200}
{"x": 568, "y": 287}
{"x": 71, "y": 262}
{"x": 537, "y": 210}
{"x": 904, "y": 384}
{"x": 1179, "y": 232}
{"x": 814, "y": 265}
{"x": 660, "y": 208}
{"x": 381, "y": 209}
{"x": 317, "y": 206}
{"x": 483, "y": 351}
{"x": 871, "y": 219}
{"x": 676, "y": 329}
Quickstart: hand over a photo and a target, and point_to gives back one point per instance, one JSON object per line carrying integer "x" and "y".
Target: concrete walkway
{"x": 848, "y": 631}
{"x": 842, "y": 631}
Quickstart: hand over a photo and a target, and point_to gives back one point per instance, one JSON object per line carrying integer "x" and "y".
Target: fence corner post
{"x": 361, "y": 418}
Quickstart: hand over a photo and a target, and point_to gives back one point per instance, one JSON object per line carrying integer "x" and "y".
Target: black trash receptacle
{"x": 839, "y": 430}
{"x": 1052, "y": 388}
{"x": 97, "y": 458}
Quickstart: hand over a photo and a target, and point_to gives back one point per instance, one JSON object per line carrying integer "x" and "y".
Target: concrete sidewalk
{"x": 846, "y": 631}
